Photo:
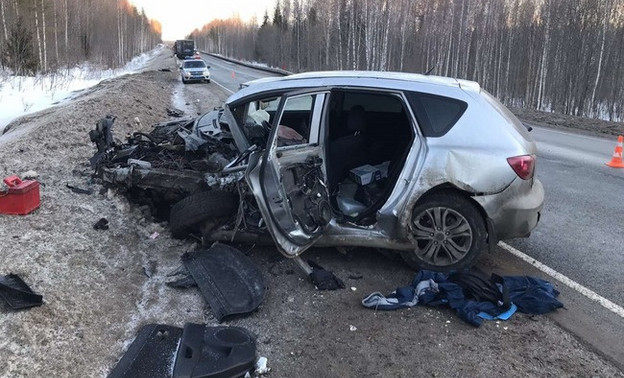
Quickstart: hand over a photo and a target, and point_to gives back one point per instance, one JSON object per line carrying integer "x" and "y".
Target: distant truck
{"x": 183, "y": 48}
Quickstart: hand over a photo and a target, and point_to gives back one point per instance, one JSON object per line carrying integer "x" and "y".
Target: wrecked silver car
{"x": 431, "y": 167}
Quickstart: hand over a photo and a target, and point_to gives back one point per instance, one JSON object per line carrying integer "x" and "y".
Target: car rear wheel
{"x": 448, "y": 232}
{"x": 196, "y": 208}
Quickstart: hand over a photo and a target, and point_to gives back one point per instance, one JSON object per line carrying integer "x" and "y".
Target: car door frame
{"x": 266, "y": 177}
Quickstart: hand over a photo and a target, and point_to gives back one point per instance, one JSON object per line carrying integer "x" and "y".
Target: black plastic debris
{"x": 102, "y": 136}
{"x": 214, "y": 352}
{"x": 151, "y": 354}
{"x": 149, "y": 268}
{"x": 324, "y": 279}
{"x": 102, "y": 224}
{"x": 17, "y": 293}
{"x": 182, "y": 278}
{"x": 172, "y": 112}
{"x": 182, "y": 283}
{"x": 197, "y": 351}
{"x": 228, "y": 280}
{"x": 78, "y": 190}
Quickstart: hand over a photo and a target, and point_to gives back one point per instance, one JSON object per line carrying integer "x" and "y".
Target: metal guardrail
{"x": 266, "y": 69}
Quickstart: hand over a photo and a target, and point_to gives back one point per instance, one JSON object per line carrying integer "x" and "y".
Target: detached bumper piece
{"x": 214, "y": 352}
{"x": 228, "y": 280}
{"x": 17, "y": 293}
{"x": 197, "y": 351}
{"x": 151, "y": 354}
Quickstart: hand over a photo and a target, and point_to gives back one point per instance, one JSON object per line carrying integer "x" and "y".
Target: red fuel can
{"x": 21, "y": 198}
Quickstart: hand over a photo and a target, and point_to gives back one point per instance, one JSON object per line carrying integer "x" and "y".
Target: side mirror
{"x": 207, "y": 66}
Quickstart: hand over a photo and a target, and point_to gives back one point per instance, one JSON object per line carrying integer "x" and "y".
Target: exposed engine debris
{"x": 162, "y": 167}
{"x": 190, "y": 172}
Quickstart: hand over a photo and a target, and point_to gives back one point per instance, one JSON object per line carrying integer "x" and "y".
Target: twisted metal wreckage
{"x": 174, "y": 166}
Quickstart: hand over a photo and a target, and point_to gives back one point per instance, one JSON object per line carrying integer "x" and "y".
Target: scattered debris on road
{"x": 261, "y": 366}
{"x": 101, "y": 224}
{"x": 163, "y": 351}
{"x": 17, "y": 294}
{"x": 172, "y": 112}
{"x": 228, "y": 280}
{"x": 78, "y": 190}
{"x": 324, "y": 279}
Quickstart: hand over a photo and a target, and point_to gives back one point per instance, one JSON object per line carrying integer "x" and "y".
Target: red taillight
{"x": 524, "y": 165}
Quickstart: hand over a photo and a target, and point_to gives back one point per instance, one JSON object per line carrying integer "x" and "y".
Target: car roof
{"x": 371, "y": 79}
{"x": 194, "y": 60}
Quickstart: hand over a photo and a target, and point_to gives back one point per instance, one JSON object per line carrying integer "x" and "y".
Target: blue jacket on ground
{"x": 531, "y": 295}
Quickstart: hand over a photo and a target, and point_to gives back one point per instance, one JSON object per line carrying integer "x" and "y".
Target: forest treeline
{"x": 556, "y": 55}
{"x": 44, "y": 35}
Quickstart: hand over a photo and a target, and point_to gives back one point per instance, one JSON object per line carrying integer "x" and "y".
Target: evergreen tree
{"x": 18, "y": 53}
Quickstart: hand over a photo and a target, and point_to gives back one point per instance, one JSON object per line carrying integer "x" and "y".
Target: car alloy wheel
{"x": 447, "y": 231}
{"x": 442, "y": 234}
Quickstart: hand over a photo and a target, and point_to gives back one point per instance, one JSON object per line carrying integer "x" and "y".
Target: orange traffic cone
{"x": 616, "y": 160}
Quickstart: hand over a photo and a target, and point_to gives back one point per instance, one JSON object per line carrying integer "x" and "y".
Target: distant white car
{"x": 194, "y": 70}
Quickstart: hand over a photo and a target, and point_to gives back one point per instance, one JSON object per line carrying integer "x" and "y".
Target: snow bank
{"x": 20, "y": 95}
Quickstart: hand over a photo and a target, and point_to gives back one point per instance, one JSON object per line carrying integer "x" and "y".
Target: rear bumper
{"x": 515, "y": 211}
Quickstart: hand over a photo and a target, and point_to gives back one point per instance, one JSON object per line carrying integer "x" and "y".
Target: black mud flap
{"x": 151, "y": 354}
{"x": 162, "y": 351}
{"x": 228, "y": 280}
{"x": 17, "y": 293}
{"x": 214, "y": 352}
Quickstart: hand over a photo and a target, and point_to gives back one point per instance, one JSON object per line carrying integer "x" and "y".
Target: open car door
{"x": 289, "y": 179}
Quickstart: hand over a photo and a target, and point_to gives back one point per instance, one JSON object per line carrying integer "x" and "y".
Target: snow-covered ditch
{"x": 20, "y": 95}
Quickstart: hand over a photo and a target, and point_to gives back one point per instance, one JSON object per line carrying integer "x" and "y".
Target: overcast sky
{"x": 180, "y": 17}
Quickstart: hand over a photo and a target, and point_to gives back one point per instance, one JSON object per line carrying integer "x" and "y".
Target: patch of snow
{"x": 21, "y": 95}
{"x": 178, "y": 100}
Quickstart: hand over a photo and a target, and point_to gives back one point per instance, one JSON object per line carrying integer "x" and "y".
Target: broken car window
{"x": 256, "y": 117}
{"x": 294, "y": 124}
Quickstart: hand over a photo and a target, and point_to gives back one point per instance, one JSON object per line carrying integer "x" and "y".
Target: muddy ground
{"x": 588, "y": 126}
{"x": 100, "y": 287}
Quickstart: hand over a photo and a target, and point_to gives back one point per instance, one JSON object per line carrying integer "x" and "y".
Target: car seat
{"x": 349, "y": 151}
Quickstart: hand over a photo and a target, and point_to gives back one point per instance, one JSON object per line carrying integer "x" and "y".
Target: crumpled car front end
{"x": 174, "y": 159}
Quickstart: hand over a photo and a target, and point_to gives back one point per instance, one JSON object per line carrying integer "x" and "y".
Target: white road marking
{"x": 604, "y": 302}
{"x": 213, "y": 81}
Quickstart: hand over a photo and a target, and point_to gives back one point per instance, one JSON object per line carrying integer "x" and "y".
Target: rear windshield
{"x": 436, "y": 115}
{"x": 194, "y": 64}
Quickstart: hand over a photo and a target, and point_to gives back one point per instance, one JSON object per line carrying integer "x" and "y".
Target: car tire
{"x": 448, "y": 231}
{"x": 184, "y": 81}
{"x": 191, "y": 211}
{"x": 208, "y": 81}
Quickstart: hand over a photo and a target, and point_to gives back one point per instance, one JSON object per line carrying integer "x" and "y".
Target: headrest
{"x": 356, "y": 120}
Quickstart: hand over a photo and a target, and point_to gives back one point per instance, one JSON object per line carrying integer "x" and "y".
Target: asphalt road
{"x": 581, "y": 232}
{"x": 231, "y": 75}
